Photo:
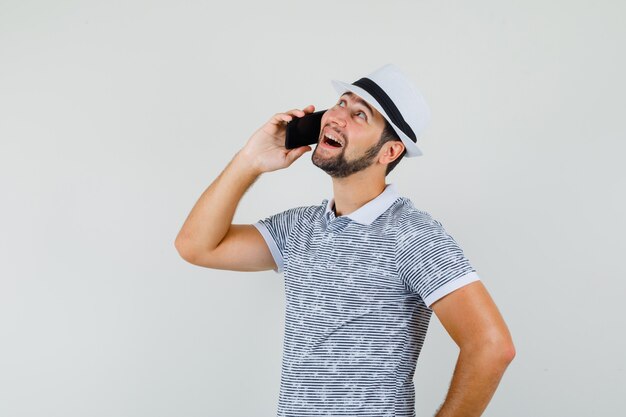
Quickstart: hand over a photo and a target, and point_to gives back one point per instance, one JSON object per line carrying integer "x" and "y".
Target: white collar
{"x": 370, "y": 211}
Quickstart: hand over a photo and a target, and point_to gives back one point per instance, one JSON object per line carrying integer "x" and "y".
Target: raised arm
{"x": 208, "y": 237}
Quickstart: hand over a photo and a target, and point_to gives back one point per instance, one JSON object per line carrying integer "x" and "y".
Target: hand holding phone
{"x": 265, "y": 149}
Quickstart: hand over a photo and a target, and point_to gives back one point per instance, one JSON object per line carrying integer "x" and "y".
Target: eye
{"x": 360, "y": 113}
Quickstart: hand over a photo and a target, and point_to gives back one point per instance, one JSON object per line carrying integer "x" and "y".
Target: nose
{"x": 337, "y": 116}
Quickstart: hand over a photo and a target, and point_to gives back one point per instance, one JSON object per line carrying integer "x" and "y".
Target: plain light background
{"x": 115, "y": 116}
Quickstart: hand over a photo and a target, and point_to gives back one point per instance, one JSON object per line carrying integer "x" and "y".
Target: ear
{"x": 391, "y": 151}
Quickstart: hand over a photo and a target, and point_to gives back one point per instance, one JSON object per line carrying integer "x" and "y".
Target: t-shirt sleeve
{"x": 430, "y": 261}
{"x": 276, "y": 229}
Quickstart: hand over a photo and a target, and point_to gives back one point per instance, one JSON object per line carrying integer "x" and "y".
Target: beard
{"x": 337, "y": 166}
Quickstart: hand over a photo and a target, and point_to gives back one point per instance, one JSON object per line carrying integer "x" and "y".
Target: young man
{"x": 363, "y": 271}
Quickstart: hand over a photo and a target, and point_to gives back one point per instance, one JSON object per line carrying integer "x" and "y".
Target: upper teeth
{"x": 333, "y": 138}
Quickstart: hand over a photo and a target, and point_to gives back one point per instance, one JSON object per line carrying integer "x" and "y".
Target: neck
{"x": 353, "y": 192}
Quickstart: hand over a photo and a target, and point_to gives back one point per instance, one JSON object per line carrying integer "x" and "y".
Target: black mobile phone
{"x": 305, "y": 130}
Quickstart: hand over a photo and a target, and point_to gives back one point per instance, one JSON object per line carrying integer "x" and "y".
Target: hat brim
{"x": 411, "y": 147}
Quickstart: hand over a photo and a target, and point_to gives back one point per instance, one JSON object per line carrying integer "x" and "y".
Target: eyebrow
{"x": 359, "y": 100}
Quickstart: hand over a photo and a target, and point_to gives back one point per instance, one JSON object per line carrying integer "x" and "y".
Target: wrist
{"x": 246, "y": 163}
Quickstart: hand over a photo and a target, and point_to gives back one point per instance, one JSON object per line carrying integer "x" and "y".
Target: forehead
{"x": 349, "y": 95}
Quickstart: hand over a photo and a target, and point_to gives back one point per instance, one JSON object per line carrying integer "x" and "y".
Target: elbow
{"x": 498, "y": 350}
{"x": 183, "y": 250}
{"x": 507, "y": 352}
{"x": 502, "y": 350}
{"x": 510, "y": 351}
{"x": 505, "y": 346}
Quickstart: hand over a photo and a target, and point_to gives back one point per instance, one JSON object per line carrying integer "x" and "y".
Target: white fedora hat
{"x": 390, "y": 92}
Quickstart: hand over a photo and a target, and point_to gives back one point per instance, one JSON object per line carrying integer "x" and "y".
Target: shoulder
{"x": 307, "y": 210}
{"x": 301, "y": 211}
{"x": 284, "y": 221}
{"x": 311, "y": 211}
{"x": 417, "y": 230}
{"x": 409, "y": 218}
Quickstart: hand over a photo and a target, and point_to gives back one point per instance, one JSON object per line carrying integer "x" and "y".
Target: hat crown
{"x": 405, "y": 96}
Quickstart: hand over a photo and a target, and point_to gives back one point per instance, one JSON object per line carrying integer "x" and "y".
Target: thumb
{"x": 297, "y": 153}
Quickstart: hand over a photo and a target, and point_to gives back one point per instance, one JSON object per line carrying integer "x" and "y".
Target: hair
{"x": 389, "y": 135}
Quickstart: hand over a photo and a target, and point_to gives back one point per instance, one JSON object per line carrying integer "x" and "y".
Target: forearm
{"x": 476, "y": 376}
{"x": 211, "y": 216}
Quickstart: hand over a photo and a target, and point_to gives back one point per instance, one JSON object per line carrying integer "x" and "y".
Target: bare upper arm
{"x": 472, "y": 319}
{"x": 242, "y": 249}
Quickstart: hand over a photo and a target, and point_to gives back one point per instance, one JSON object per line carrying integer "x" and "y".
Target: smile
{"x": 331, "y": 139}
{"x": 326, "y": 145}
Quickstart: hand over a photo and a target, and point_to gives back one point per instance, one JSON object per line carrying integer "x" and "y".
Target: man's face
{"x": 357, "y": 126}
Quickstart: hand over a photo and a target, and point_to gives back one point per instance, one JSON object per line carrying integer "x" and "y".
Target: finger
{"x": 280, "y": 118}
{"x": 288, "y": 115}
{"x": 296, "y": 112}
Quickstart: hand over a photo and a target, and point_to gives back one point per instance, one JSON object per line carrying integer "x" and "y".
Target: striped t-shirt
{"x": 358, "y": 293}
